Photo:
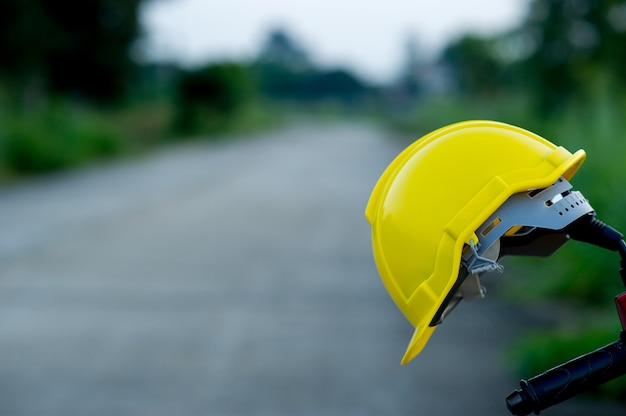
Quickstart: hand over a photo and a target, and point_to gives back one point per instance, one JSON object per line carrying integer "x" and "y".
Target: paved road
{"x": 227, "y": 280}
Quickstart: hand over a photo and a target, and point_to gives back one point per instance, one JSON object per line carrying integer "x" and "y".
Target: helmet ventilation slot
{"x": 556, "y": 198}
{"x": 491, "y": 226}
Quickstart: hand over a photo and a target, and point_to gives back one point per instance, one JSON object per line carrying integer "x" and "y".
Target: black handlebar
{"x": 569, "y": 379}
{"x": 589, "y": 370}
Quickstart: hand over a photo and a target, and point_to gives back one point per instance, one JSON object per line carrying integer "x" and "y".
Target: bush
{"x": 210, "y": 99}
{"x": 56, "y": 139}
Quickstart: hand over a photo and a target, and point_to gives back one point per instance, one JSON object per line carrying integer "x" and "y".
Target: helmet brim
{"x": 418, "y": 341}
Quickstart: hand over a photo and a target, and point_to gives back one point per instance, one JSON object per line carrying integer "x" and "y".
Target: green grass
{"x": 56, "y": 139}
{"x": 63, "y": 136}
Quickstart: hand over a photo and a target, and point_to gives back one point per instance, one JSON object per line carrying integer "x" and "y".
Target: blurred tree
{"x": 80, "y": 47}
{"x": 411, "y": 79}
{"x": 564, "y": 40}
{"x": 282, "y": 66}
{"x": 411, "y": 72}
{"x": 285, "y": 72}
{"x": 473, "y": 65}
{"x": 573, "y": 43}
{"x": 213, "y": 94}
{"x": 336, "y": 84}
{"x": 279, "y": 82}
{"x": 280, "y": 49}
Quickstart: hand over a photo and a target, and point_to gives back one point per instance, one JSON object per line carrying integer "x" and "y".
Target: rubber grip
{"x": 569, "y": 379}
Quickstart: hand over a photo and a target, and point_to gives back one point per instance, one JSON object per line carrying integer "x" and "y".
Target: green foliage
{"x": 209, "y": 99}
{"x": 554, "y": 57}
{"x": 283, "y": 72}
{"x": 570, "y": 41}
{"x": 304, "y": 87}
{"x": 143, "y": 124}
{"x": 337, "y": 83}
{"x": 281, "y": 50}
{"x": 72, "y": 47}
{"x": 56, "y": 140}
{"x": 474, "y": 66}
{"x": 432, "y": 112}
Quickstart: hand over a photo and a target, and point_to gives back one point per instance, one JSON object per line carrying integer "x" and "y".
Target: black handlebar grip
{"x": 569, "y": 379}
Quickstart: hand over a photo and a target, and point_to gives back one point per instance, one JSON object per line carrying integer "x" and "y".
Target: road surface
{"x": 228, "y": 279}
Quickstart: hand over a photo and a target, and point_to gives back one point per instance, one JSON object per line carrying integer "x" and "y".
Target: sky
{"x": 368, "y": 37}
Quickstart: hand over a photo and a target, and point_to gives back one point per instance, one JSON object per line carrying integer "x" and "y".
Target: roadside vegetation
{"x": 71, "y": 93}
{"x": 78, "y": 91}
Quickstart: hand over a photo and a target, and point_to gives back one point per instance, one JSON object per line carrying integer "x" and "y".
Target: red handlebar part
{"x": 620, "y": 302}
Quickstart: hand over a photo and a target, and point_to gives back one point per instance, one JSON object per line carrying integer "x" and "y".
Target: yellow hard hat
{"x": 438, "y": 200}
